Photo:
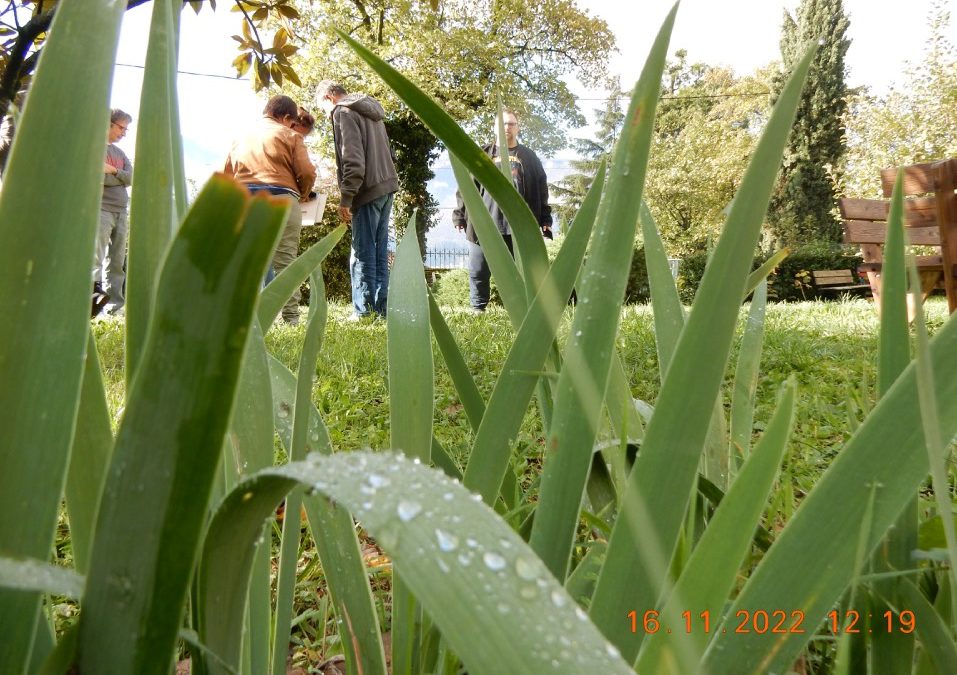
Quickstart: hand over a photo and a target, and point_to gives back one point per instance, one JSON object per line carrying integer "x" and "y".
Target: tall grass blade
{"x": 180, "y": 193}
{"x": 334, "y": 533}
{"x": 524, "y": 228}
{"x": 513, "y": 390}
{"x": 462, "y": 380}
{"x": 45, "y": 290}
{"x": 710, "y": 574}
{"x": 669, "y": 315}
{"x": 429, "y": 533}
{"x": 887, "y": 450}
{"x": 153, "y": 216}
{"x": 280, "y": 289}
{"x": 762, "y": 273}
{"x": 153, "y": 507}
{"x": 89, "y": 459}
{"x": 42, "y": 577}
{"x": 746, "y": 377}
{"x": 411, "y": 383}
{"x": 584, "y": 376}
{"x": 893, "y": 651}
{"x": 296, "y": 451}
{"x": 938, "y": 451}
{"x": 500, "y": 262}
{"x": 936, "y": 637}
{"x": 663, "y": 477}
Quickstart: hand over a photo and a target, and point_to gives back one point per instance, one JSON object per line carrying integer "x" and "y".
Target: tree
{"x": 571, "y": 190}
{"x": 914, "y": 122}
{"x": 707, "y": 126}
{"x": 24, "y": 26}
{"x": 464, "y": 55}
{"x": 803, "y": 205}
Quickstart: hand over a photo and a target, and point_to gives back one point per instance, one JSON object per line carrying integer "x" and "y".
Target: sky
{"x": 741, "y": 34}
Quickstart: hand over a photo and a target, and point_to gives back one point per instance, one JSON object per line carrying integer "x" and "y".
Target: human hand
{"x": 345, "y": 213}
{"x": 109, "y": 168}
{"x": 547, "y": 231}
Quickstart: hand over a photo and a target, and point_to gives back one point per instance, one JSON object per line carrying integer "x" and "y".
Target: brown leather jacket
{"x": 271, "y": 154}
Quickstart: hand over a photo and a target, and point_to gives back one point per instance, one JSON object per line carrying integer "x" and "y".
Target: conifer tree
{"x": 803, "y": 205}
{"x": 571, "y": 190}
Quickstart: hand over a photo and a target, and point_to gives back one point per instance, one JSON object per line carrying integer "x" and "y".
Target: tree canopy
{"x": 914, "y": 122}
{"x": 464, "y": 55}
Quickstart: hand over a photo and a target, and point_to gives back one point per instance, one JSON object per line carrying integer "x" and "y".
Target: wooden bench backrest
{"x": 824, "y": 278}
{"x": 930, "y": 217}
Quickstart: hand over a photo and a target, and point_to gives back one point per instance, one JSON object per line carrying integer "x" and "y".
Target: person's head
{"x": 282, "y": 109}
{"x": 328, "y": 94}
{"x": 304, "y": 122}
{"x": 511, "y": 127}
{"x": 119, "y": 123}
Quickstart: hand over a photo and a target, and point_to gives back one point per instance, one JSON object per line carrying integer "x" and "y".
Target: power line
{"x": 577, "y": 98}
{"x": 189, "y": 72}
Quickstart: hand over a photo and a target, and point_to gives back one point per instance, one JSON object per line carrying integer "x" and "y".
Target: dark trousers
{"x": 480, "y": 275}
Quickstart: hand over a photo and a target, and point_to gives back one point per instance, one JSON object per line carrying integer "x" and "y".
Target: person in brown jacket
{"x": 272, "y": 158}
{"x": 367, "y": 185}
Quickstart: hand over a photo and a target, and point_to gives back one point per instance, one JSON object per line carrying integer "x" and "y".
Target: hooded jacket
{"x": 363, "y": 154}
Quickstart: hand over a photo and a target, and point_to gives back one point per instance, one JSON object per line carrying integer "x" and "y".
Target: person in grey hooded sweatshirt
{"x": 367, "y": 184}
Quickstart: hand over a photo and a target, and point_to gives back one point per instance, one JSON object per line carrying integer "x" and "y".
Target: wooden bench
{"x": 838, "y": 282}
{"x": 930, "y": 219}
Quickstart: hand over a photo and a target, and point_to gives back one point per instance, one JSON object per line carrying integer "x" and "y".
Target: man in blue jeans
{"x": 367, "y": 184}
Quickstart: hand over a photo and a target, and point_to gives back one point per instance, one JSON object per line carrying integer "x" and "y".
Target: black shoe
{"x": 99, "y": 300}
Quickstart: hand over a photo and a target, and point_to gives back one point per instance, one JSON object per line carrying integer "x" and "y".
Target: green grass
{"x": 829, "y": 347}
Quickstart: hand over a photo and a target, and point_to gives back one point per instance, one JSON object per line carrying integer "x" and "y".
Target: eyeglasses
{"x": 117, "y": 124}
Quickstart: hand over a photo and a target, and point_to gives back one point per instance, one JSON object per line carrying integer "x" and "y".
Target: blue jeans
{"x": 369, "y": 260}
{"x": 480, "y": 275}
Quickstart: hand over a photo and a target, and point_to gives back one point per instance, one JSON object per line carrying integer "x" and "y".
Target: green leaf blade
{"x": 45, "y": 282}
{"x": 167, "y": 448}
{"x": 666, "y": 468}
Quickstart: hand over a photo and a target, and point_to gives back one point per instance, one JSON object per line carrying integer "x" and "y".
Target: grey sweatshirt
{"x": 363, "y": 153}
{"x": 115, "y": 197}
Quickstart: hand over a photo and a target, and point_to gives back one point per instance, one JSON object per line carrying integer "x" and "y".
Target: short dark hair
{"x": 329, "y": 88}
{"x": 509, "y": 111}
{"x": 280, "y": 107}
{"x": 117, "y": 116}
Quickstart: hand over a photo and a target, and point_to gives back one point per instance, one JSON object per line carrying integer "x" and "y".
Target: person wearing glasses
{"x": 109, "y": 268}
{"x": 528, "y": 176}
{"x": 272, "y": 158}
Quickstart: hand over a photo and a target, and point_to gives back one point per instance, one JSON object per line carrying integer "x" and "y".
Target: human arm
{"x": 303, "y": 169}
{"x": 352, "y": 156}
{"x": 459, "y": 217}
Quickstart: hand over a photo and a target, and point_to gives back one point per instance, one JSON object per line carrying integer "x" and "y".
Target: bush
{"x": 451, "y": 289}
{"x": 790, "y": 281}
{"x": 335, "y": 268}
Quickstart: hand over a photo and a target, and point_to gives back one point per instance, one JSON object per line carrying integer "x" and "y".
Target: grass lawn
{"x": 829, "y": 347}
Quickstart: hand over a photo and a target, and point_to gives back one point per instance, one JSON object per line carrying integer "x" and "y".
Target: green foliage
{"x": 912, "y": 123}
{"x": 803, "y": 208}
{"x": 791, "y": 279}
{"x": 706, "y": 133}
{"x": 335, "y": 269}
{"x": 462, "y": 56}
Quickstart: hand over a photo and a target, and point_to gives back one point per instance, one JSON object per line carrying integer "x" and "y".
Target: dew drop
{"x": 526, "y": 569}
{"x": 503, "y": 608}
{"x": 612, "y": 651}
{"x": 448, "y": 496}
{"x": 559, "y": 598}
{"x": 377, "y": 481}
{"x": 443, "y": 565}
{"x": 447, "y": 542}
{"x": 283, "y": 410}
{"x": 465, "y": 559}
{"x": 493, "y": 561}
{"x": 471, "y": 543}
{"x": 408, "y": 510}
{"x": 528, "y": 592}
{"x": 580, "y": 613}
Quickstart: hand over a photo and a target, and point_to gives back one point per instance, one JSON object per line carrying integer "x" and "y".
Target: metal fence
{"x": 446, "y": 258}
